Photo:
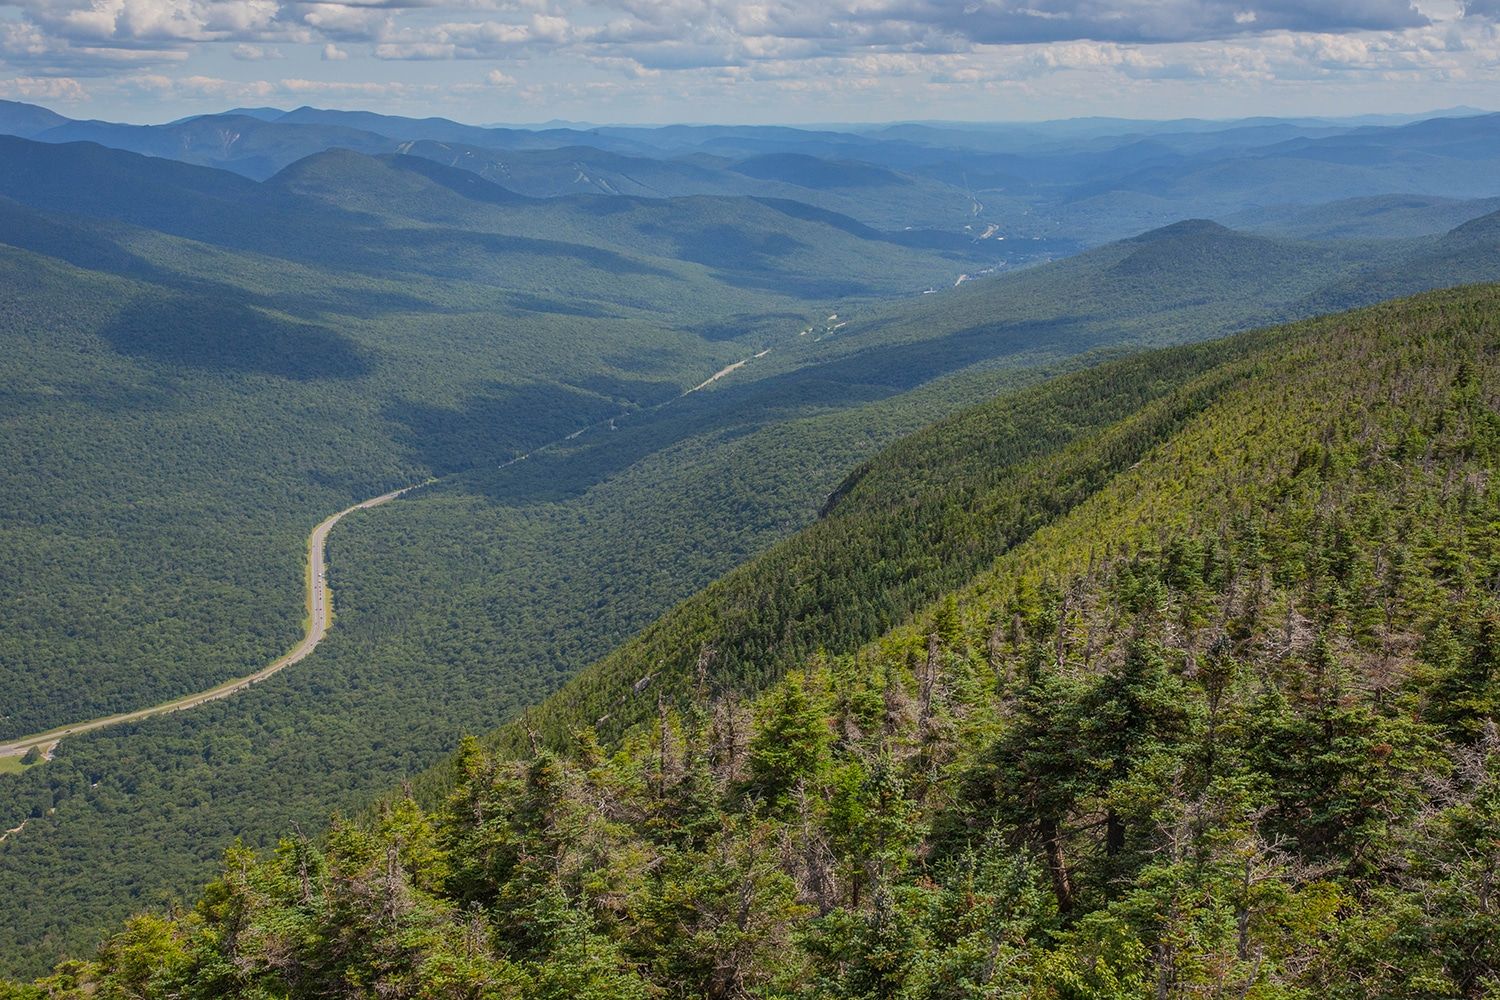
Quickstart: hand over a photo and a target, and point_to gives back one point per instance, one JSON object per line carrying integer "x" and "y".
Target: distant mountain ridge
{"x": 1077, "y": 184}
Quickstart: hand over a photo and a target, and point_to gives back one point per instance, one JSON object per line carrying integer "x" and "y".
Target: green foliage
{"x": 790, "y": 742}
{"x": 1184, "y": 761}
{"x": 182, "y": 408}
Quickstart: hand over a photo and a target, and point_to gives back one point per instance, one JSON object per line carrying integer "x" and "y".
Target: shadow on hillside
{"x": 732, "y": 409}
{"x": 626, "y": 391}
{"x": 733, "y": 247}
{"x": 744, "y": 324}
{"x": 446, "y": 253}
{"x": 812, "y": 288}
{"x": 494, "y": 425}
{"x": 549, "y": 305}
{"x": 214, "y": 334}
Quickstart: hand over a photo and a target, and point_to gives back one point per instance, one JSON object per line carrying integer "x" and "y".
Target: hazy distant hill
{"x": 385, "y": 215}
{"x": 1074, "y": 183}
{"x": 27, "y": 119}
{"x": 1380, "y": 217}
{"x": 250, "y": 146}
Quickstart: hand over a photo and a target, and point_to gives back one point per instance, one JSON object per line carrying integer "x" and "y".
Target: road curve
{"x": 317, "y": 602}
{"x": 319, "y": 609}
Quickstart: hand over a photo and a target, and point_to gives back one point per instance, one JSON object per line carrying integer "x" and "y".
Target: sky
{"x": 767, "y": 61}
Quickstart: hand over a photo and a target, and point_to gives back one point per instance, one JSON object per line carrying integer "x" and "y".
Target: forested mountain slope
{"x": 168, "y": 433}
{"x": 464, "y": 603}
{"x": 205, "y": 377}
{"x": 874, "y": 195}
{"x": 1161, "y": 287}
{"x": 1191, "y": 690}
{"x": 921, "y": 518}
{"x": 379, "y": 216}
{"x": 198, "y": 368}
{"x": 1379, "y": 217}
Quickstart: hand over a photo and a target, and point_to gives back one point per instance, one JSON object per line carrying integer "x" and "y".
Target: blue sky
{"x": 763, "y": 61}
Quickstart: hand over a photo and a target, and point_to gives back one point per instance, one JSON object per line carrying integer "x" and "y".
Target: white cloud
{"x": 800, "y": 46}
{"x": 134, "y": 21}
{"x": 363, "y": 89}
{"x": 51, "y": 88}
{"x": 341, "y": 21}
{"x": 255, "y": 53}
{"x": 416, "y": 50}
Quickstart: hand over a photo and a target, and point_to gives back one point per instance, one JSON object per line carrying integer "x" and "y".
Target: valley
{"x": 320, "y": 617}
{"x": 1217, "y": 473}
{"x": 318, "y": 602}
{"x": 632, "y": 433}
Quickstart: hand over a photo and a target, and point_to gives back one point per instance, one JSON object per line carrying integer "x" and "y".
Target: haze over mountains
{"x": 1084, "y": 181}
{"x": 623, "y": 361}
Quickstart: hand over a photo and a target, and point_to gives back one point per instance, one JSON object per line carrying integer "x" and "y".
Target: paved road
{"x": 317, "y": 589}
{"x": 317, "y": 627}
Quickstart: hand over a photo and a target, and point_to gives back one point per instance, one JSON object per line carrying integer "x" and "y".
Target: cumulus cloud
{"x": 104, "y": 22}
{"x": 1001, "y": 22}
{"x": 373, "y": 89}
{"x": 416, "y": 50}
{"x": 220, "y": 89}
{"x": 800, "y": 45}
{"x": 341, "y": 21}
{"x": 764, "y": 29}
{"x": 255, "y": 53}
{"x": 46, "y": 88}
{"x": 489, "y": 39}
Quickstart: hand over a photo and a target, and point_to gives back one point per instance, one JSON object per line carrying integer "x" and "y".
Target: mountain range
{"x": 704, "y": 421}
{"x": 1082, "y": 183}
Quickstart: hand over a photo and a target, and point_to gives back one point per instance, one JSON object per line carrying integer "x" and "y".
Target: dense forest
{"x": 187, "y": 391}
{"x": 1194, "y": 696}
{"x": 184, "y": 407}
{"x": 480, "y": 595}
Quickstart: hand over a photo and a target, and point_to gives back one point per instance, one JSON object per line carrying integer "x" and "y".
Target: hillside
{"x": 468, "y": 601}
{"x": 27, "y": 119}
{"x": 1192, "y": 279}
{"x": 1168, "y": 678}
{"x": 249, "y": 146}
{"x": 1464, "y": 254}
{"x": 1365, "y": 218}
{"x": 386, "y": 216}
{"x": 163, "y": 403}
{"x": 183, "y": 398}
